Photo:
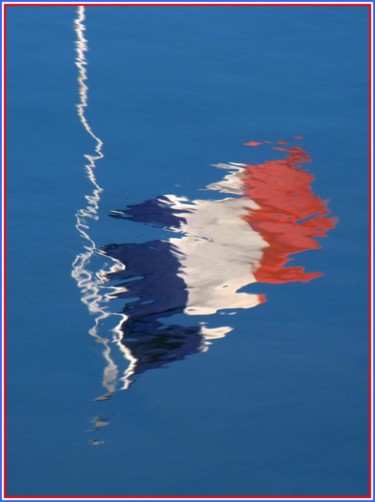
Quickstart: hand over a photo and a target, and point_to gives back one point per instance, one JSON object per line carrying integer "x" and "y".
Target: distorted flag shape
{"x": 217, "y": 247}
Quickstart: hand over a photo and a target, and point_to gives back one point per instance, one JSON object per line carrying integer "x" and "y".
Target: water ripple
{"x": 90, "y": 283}
{"x": 217, "y": 249}
{"x": 218, "y": 253}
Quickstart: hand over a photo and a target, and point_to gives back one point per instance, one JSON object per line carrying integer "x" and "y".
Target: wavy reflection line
{"x": 88, "y": 282}
{"x": 218, "y": 248}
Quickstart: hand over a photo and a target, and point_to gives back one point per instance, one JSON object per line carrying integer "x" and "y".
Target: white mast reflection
{"x": 88, "y": 282}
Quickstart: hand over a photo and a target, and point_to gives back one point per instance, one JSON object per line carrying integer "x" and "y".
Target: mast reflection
{"x": 217, "y": 247}
{"x": 90, "y": 283}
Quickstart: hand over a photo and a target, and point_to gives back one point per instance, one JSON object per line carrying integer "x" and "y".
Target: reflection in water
{"x": 216, "y": 248}
{"x": 88, "y": 282}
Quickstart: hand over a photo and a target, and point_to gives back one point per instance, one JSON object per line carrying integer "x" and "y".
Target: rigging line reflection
{"x": 88, "y": 282}
{"x": 219, "y": 248}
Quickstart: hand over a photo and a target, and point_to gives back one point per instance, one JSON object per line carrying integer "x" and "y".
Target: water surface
{"x": 187, "y": 242}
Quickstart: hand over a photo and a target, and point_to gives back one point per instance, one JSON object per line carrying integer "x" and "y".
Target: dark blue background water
{"x": 278, "y": 407}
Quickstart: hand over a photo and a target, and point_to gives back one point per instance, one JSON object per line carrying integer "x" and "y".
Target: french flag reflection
{"x": 217, "y": 247}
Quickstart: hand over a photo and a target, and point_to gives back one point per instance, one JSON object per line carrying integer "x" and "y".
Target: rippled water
{"x": 184, "y": 166}
{"x": 267, "y": 212}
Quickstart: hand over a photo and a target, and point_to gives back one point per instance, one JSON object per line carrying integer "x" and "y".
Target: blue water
{"x": 276, "y": 407}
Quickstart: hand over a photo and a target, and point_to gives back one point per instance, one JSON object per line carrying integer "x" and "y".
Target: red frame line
{"x": 369, "y": 6}
{"x": 4, "y": 245}
{"x": 187, "y": 4}
{"x": 370, "y": 236}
